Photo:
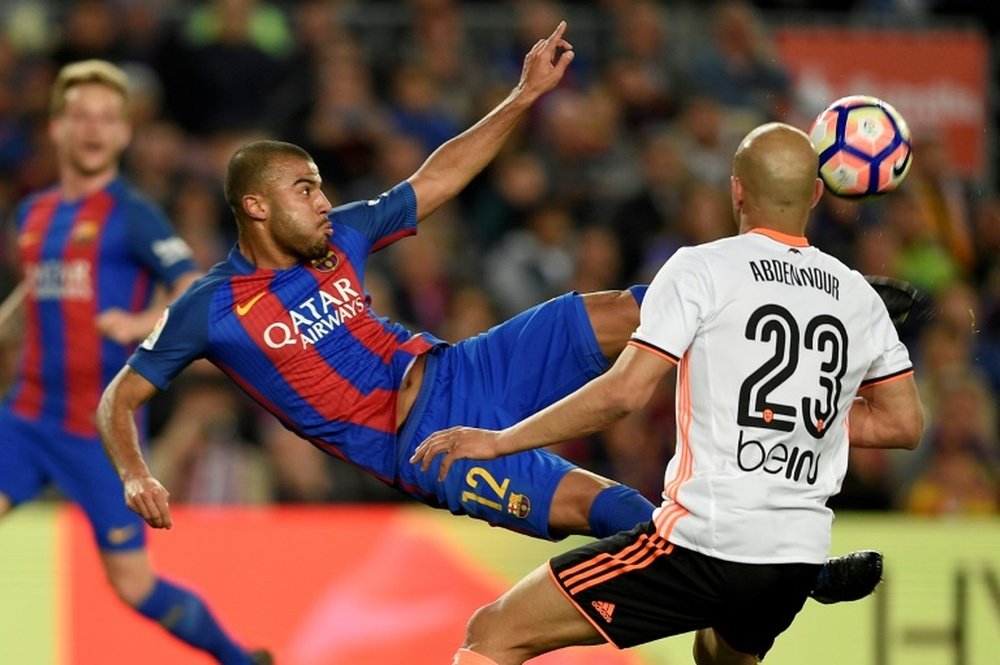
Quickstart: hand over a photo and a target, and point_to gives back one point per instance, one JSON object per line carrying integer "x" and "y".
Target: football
{"x": 863, "y": 145}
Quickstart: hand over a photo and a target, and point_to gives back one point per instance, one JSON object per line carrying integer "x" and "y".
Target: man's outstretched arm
{"x": 453, "y": 165}
{"x": 116, "y": 422}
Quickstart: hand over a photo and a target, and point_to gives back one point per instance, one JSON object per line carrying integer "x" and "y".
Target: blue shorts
{"x": 492, "y": 381}
{"x": 34, "y": 454}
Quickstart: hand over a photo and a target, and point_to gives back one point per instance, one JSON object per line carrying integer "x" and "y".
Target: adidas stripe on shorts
{"x": 636, "y": 587}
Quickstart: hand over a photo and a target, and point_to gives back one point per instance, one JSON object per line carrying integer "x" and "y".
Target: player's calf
{"x": 586, "y": 503}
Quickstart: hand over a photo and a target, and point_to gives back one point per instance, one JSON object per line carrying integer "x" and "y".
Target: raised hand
{"x": 545, "y": 63}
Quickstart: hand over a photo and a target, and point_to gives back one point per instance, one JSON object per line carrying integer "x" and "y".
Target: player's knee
{"x": 130, "y": 577}
{"x": 131, "y": 588}
{"x": 500, "y": 637}
{"x": 614, "y": 316}
{"x": 614, "y": 304}
{"x": 483, "y": 625}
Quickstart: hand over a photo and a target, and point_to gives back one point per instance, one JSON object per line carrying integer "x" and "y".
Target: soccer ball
{"x": 863, "y": 145}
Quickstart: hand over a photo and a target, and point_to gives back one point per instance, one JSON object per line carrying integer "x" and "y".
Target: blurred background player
{"x": 92, "y": 251}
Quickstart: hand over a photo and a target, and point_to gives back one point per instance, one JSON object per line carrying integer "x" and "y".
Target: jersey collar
{"x": 242, "y": 263}
{"x": 783, "y": 238}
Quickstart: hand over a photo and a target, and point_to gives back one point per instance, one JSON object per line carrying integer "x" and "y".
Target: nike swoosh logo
{"x": 899, "y": 169}
{"x": 121, "y": 534}
{"x": 243, "y": 308}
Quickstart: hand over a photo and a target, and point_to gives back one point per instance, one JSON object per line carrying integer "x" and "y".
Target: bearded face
{"x": 305, "y": 239}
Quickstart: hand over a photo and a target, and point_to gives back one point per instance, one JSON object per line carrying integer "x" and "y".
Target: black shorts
{"x": 636, "y": 587}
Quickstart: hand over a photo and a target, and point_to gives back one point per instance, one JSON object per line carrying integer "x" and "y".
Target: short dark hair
{"x": 249, "y": 168}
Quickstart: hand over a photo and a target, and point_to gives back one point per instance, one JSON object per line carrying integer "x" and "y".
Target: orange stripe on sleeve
{"x": 639, "y": 344}
{"x": 887, "y": 379}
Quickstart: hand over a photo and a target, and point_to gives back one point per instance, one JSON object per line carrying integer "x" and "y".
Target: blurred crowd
{"x": 627, "y": 161}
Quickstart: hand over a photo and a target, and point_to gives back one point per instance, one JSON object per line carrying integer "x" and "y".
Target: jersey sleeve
{"x": 179, "y": 338}
{"x": 891, "y": 356}
{"x": 155, "y": 244}
{"x": 678, "y": 300}
{"x": 382, "y": 220}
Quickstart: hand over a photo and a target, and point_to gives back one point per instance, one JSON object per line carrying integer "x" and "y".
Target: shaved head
{"x": 776, "y": 168}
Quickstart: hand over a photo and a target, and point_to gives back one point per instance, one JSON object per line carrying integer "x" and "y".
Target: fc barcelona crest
{"x": 328, "y": 263}
{"x": 84, "y": 232}
{"x": 518, "y": 505}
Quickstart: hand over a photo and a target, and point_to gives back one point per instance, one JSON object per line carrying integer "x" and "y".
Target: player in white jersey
{"x": 779, "y": 347}
{"x": 772, "y": 338}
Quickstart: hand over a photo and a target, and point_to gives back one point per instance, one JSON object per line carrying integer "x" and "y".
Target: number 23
{"x": 824, "y": 333}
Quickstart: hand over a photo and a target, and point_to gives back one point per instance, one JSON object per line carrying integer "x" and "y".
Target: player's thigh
{"x": 532, "y": 618}
{"x": 23, "y": 471}
{"x": 529, "y": 361}
{"x": 86, "y": 476}
{"x": 514, "y": 491}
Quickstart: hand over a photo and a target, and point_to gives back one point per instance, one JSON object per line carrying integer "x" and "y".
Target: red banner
{"x": 325, "y": 586}
{"x": 937, "y": 79}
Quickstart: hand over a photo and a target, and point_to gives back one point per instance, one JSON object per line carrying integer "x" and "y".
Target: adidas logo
{"x": 604, "y": 609}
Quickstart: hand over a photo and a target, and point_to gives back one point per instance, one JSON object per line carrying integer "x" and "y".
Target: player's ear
{"x": 736, "y": 190}
{"x": 254, "y": 206}
{"x": 818, "y": 188}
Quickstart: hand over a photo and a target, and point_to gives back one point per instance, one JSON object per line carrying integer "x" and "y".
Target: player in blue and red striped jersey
{"x": 288, "y": 318}
{"x": 92, "y": 251}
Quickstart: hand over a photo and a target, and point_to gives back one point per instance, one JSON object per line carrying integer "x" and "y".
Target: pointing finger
{"x": 558, "y": 32}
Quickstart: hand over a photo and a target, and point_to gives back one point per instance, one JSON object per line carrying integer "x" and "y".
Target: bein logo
{"x": 795, "y": 463}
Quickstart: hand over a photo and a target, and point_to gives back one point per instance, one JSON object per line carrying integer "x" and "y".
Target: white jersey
{"x": 773, "y": 338}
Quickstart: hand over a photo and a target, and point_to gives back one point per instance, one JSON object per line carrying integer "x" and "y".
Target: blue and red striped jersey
{"x": 304, "y": 341}
{"x": 82, "y": 257}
